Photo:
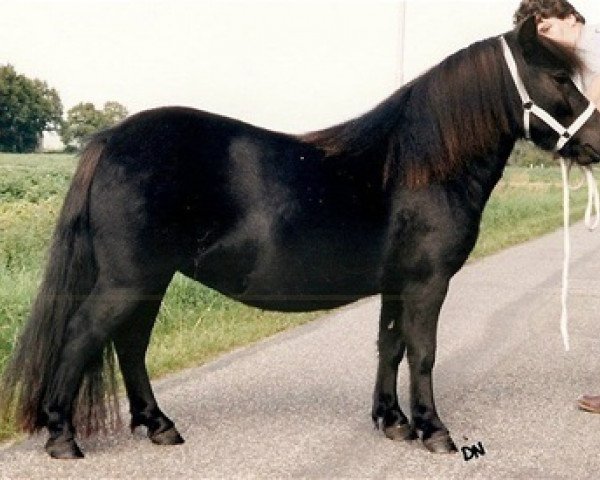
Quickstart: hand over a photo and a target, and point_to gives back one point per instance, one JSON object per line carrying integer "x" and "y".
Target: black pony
{"x": 388, "y": 203}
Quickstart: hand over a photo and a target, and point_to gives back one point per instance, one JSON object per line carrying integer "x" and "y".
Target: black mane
{"x": 452, "y": 113}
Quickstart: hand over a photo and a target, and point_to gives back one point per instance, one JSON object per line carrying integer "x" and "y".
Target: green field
{"x": 195, "y": 323}
{"x": 526, "y": 204}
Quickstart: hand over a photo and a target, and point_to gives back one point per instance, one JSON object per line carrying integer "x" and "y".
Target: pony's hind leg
{"x": 131, "y": 342}
{"x": 107, "y": 308}
{"x": 386, "y": 413}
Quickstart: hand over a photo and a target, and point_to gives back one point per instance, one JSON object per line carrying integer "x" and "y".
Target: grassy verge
{"x": 196, "y": 324}
{"x": 526, "y": 204}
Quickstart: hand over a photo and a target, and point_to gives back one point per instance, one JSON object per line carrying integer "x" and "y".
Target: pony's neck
{"x": 481, "y": 175}
{"x": 456, "y": 119}
{"x": 453, "y": 117}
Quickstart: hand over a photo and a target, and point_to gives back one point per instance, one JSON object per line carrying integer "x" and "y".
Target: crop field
{"x": 195, "y": 323}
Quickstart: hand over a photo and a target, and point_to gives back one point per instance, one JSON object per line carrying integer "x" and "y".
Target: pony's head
{"x": 556, "y": 114}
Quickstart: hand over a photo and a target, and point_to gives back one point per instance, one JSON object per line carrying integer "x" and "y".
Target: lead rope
{"x": 593, "y": 204}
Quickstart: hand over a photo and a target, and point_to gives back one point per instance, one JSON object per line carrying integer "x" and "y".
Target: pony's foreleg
{"x": 131, "y": 342}
{"x": 386, "y": 413}
{"x": 106, "y": 308}
{"x": 423, "y": 301}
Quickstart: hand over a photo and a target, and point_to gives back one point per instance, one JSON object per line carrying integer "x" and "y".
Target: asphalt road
{"x": 298, "y": 404}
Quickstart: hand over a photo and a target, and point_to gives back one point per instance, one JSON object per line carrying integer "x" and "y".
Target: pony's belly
{"x": 288, "y": 280}
{"x": 303, "y": 289}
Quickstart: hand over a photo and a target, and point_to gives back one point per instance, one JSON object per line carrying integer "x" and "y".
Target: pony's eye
{"x": 561, "y": 77}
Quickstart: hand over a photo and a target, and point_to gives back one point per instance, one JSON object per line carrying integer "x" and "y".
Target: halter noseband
{"x": 529, "y": 107}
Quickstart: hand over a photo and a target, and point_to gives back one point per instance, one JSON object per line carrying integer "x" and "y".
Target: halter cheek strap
{"x": 529, "y": 107}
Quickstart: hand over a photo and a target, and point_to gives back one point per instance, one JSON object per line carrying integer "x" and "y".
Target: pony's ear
{"x": 544, "y": 53}
{"x": 535, "y": 48}
{"x": 528, "y": 36}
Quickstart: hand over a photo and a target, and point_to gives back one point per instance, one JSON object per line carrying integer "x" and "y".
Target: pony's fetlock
{"x": 394, "y": 425}
{"x": 161, "y": 430}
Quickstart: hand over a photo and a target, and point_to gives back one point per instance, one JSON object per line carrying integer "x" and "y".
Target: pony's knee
{"x": 421, "y": 360}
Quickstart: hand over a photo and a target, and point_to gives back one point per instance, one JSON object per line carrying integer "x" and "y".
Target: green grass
{"x": 526, "y": 204}
{"x": 195, "y": 323}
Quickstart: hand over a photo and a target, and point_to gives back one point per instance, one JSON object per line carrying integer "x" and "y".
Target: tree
{"x": 113, "y": 112}
{"x": 27, "y": 108}
{"x": 84, "y": 119}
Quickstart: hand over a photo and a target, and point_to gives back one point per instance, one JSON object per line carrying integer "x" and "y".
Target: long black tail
{"x": 70, "y": 275}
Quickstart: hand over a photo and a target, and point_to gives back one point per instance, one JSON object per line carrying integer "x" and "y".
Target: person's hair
{"x": 546, "y": 9}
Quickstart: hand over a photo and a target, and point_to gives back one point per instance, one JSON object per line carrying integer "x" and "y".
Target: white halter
{"x": 529, "y": 107}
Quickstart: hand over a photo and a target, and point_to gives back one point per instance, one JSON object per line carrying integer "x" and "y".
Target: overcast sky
{"x": 287, "y": 65}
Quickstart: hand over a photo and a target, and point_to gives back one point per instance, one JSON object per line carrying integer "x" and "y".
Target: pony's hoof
{"x": 440, "y": 442}
{"x": 400, "y": 431}
{"x": 168, "y": 437}
{"x": 63, "y": 449}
